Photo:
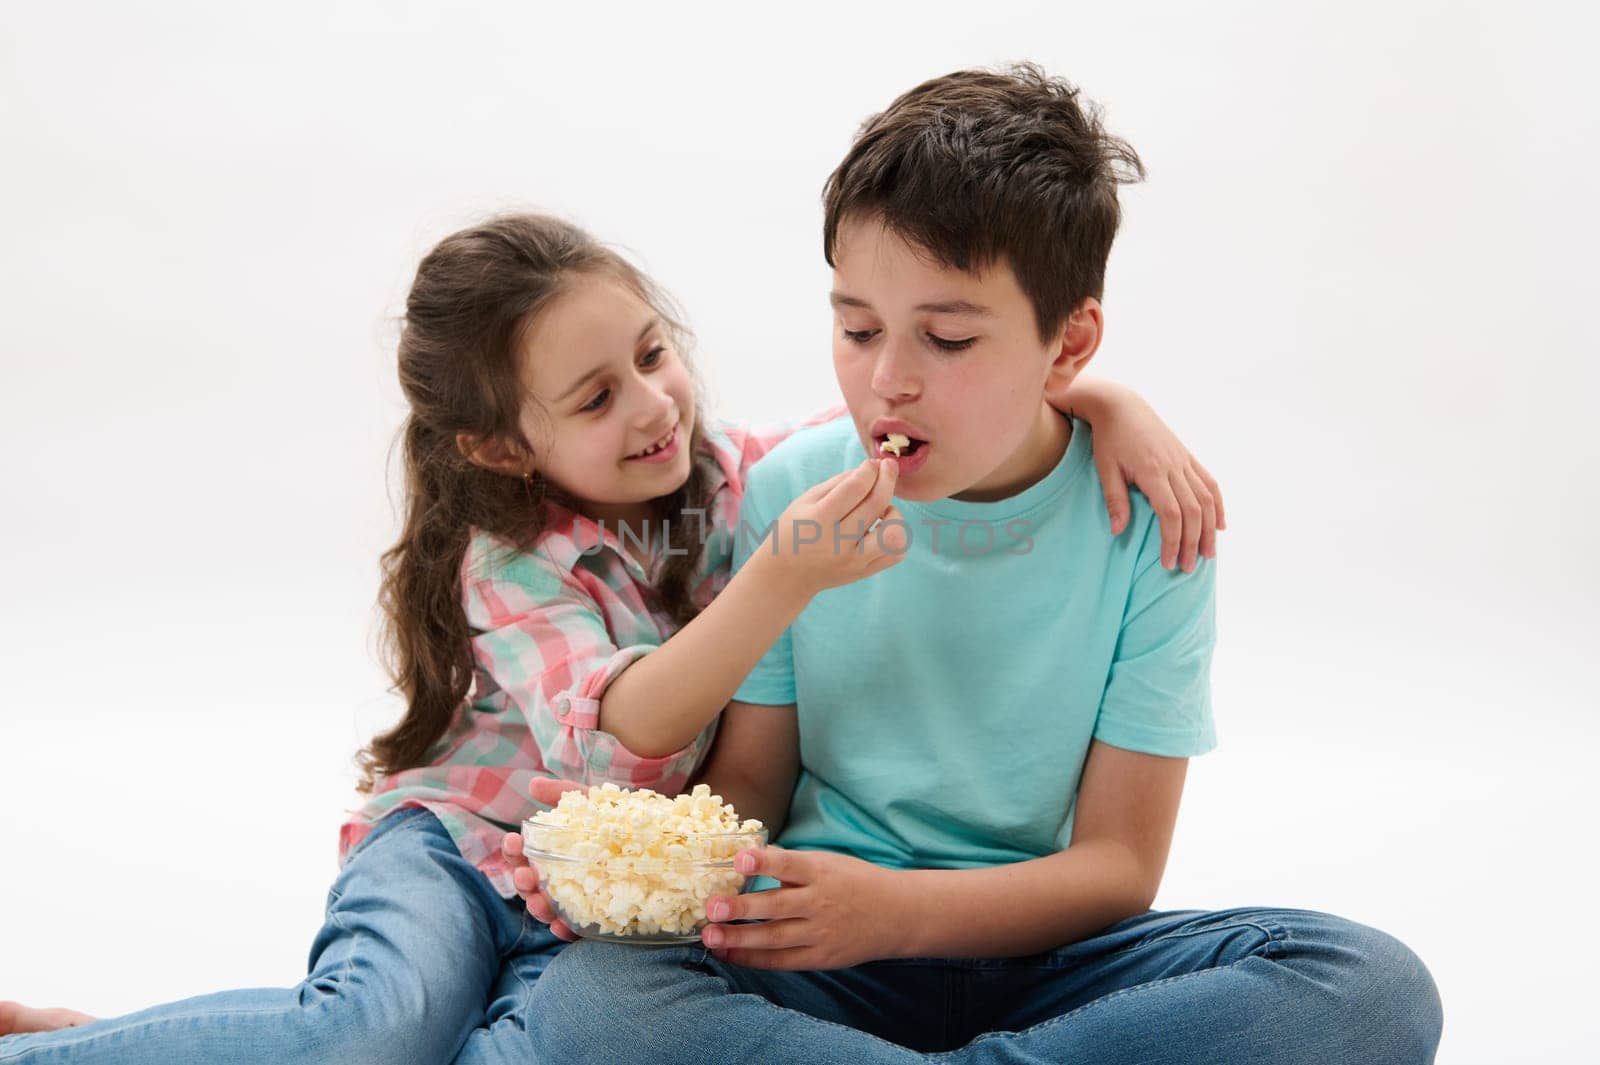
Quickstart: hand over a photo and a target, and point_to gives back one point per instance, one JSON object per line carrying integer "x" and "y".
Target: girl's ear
{"x": 493, "y": 454}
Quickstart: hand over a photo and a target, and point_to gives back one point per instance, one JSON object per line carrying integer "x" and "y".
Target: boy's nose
{"x": 893, "y": 374}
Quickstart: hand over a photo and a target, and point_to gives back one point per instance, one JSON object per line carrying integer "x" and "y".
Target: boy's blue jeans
{"x": 1185, "y": 988}
{"x": 420, "y": 960}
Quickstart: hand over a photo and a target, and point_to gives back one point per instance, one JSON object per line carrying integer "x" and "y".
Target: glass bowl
{"x": 635, "y": 897}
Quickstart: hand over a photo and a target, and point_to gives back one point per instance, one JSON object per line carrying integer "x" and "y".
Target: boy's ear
{"x": 493, "y": 454}
{"x": 1080, "y": 339}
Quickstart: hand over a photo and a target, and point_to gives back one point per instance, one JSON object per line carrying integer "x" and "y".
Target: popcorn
{"x": 637, "y": 864}
{"x": 894, "y": 444}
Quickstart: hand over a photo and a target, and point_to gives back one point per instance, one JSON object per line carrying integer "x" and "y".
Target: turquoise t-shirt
{"x": 946, "y": 705}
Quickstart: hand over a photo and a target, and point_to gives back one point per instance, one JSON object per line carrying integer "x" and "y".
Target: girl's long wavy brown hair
{"x": 472, "y": 303}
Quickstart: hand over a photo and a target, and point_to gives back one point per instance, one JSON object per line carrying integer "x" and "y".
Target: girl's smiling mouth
{"x": 660, "y": 451}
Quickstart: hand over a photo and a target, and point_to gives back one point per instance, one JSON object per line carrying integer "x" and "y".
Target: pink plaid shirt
{"x": 552, "y": 628}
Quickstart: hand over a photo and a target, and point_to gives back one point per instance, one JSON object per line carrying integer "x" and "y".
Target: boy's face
{"x": 952, "y": 360}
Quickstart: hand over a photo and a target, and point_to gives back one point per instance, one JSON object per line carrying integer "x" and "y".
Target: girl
{"x": 556, "y": 451}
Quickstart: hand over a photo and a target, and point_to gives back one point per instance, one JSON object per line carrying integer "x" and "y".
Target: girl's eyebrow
{"x": 592, "y": 374}
{"x": 965, "y": 308}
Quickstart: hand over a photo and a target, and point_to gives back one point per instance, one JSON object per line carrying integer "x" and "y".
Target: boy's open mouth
{"x": 898, "y": 445}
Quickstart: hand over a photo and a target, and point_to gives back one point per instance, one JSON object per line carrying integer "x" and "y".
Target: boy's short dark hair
{"x": 977, "y": 167}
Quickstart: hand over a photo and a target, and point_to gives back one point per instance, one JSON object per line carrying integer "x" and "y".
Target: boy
{"x": 985, "y": 744}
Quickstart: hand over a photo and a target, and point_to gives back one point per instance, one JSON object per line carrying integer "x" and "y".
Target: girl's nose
{"x": 655, "y": 408}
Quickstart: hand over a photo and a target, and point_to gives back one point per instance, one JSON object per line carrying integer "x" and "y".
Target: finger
{"x": 511, "y": 850}
{"x": 540, "y": 910}
{"x": 1208, "y": 514}
{"x": 893, "y": 536}
{"x": 1168, "y": 515}
{"x": 773, "y": 905}
{"x": 875, "y": 557}
{"x": 1114, "y": 486}
{"x": 875, "y": 506}
{"x": 784, "y": 866}
{"x": 773, "y": 935}
{"x": 1216, "y": 493}
{"x": 855, "y": 486}
{"x": 538, "y": 906}
{"x": 525, "y": 879}
{"x": 548, "y": 790}
{"x": 1190, "y": 508}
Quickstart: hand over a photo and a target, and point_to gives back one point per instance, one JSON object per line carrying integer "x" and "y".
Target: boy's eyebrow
{"x": 965, "y": 308}
{"x": 592, "y": 374}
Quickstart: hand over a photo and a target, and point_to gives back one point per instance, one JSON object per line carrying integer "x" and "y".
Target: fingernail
{"x": 745, "y": 863}
{"x": 717, "y": 911}
{"x": 711, "y": 937}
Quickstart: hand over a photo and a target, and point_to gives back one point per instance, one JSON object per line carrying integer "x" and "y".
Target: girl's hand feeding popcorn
{"x": 827, "y": 537}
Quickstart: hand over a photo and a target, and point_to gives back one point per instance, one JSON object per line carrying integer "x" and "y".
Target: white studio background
{"x": 1359, "y": 282}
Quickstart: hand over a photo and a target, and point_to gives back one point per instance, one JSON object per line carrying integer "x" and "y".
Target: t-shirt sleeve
{"x": 541, "y": 639}
{"x": 1157, "y": 697}
{"x": 771, "y": 682}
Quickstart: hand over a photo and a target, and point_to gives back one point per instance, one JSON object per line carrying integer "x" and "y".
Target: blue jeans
{"x": 420, "y": 960}
{"x": 1185, "y": 988}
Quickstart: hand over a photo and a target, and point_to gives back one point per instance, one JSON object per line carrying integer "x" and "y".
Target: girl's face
{"x": 618, "y": 401}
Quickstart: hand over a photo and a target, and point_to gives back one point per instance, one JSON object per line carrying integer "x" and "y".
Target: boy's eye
{"x": 860, "y": 336}
{"x": 653, "y": 356}
{"x": 950, "y": 345}
{"x": 597, "y": 402}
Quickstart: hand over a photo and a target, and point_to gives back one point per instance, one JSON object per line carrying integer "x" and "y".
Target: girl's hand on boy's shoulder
{"x": 832, "y": 912}
{"x": 1132, "y": 445}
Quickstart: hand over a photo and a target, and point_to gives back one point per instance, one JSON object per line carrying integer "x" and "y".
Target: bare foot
{"x": 16, "y": 1018}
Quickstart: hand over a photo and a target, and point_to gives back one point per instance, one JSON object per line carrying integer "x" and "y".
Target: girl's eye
{"x": 597, "y": 402}
{"x": 859, "y": 336}
{"x": 950, "y": 345}
{"x": 653, "y": 356}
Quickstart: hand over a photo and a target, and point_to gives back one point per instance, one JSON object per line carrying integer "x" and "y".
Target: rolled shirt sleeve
{"x": 543, "y": 640}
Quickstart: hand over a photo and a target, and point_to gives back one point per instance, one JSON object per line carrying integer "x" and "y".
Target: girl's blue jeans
{"x": 420, "y": 960}
{"x": 1186, "y": 988}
